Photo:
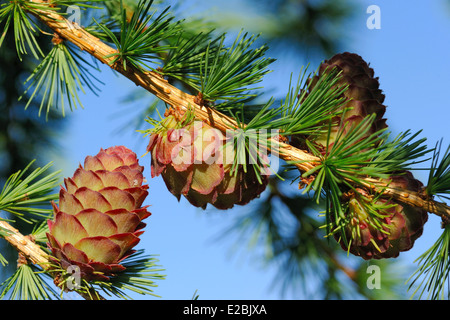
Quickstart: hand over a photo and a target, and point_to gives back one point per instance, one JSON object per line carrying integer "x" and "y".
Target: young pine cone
{"x": 393, "y": 230}
{"x": 99, "y": 217}
{"x": 195, "y": 161}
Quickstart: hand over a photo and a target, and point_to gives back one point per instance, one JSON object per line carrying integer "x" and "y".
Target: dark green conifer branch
{"x": 401, "y": 153}
{"x": 59, "y": 78}
{"x": 25, "y": 29}
{"x": 142, "y": 36}
{"x": 27, "y": 283}
{"x": 439, "y": 176}
{"x": 184, "y": 60}
{"x": 29, "y": 195}
{"x": 434, "y": 269}
{"x": 310, "y": 114}
{"x": 229, "y": 73}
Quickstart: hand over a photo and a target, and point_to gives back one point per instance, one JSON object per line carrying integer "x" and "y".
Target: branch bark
{"x": 25, "y": 245}
{"x": 28, "y": 249}
{"x": 155, "y": 84}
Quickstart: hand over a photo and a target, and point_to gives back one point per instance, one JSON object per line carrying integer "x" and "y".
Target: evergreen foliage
{"x": 220, "y": 75}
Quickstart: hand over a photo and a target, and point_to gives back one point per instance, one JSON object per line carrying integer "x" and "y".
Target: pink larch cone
{"x": 193, "y": 162}
{"x": 99, "y": 217}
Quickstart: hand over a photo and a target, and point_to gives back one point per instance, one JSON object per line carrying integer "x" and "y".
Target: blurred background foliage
{"x": 284, "y": 223}
{"x": 311, "y": 27}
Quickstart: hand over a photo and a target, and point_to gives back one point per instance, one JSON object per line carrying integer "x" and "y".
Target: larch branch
{"x": 158, "y": 86}
{"x": 25, "y": 245}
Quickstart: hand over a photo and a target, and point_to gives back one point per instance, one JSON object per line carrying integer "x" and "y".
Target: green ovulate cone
{"x": 195, "y": 161}
{"x": 99, "y": 217}
{"x": 390, "y": 228}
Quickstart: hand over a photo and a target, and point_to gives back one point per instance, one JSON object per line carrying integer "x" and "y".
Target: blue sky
{"x": 410, "y": 56}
